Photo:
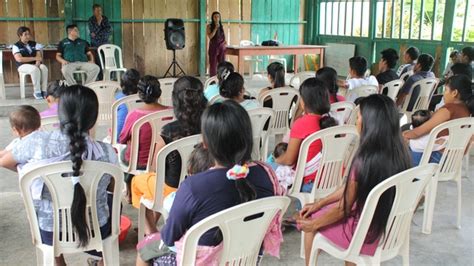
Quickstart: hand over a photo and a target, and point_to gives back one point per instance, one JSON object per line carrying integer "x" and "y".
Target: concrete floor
{"x": 447, "y": 245}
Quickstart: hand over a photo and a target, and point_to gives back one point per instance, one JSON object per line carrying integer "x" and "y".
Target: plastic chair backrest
{"x": 50, "y": 123}
{"x": 166, "y": 85}
{"x": 56, "y": 177}
{"x": 132, "y": 102}
{"x": 156, "y": 121}
{"x": 105, "y": 91}
{"x": 427, "y": 88}
{"x": 282, "y": 102}
{"x": 353, "y": 117}
{"x": 184, "y": 147}
{"x": 210, "y": 81}
{"x": 408, "y": 186}
{"x": 392, "y": 88}
{"x": 406, "y": 75}
{"x": 339, "y": 146}
{"x": 259, "y": 117}
{"x": 243, "y": 229}
{"x": 362, "y": 91}
{"x": 298, "y": 78}
{"x": 215, "y": 99}
{"x": 342, "y": 111}
{"x": 107, "y": 56}
{"x": 460, "y": 132}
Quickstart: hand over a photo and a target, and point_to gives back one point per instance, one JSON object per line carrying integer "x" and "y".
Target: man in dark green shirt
{"x": 74, "y": 55}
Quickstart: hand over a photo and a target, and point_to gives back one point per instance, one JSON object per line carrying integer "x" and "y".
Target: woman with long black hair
{"x": 382, "y": 153}
{"x": 217, "y": 43}
{"x": 78, "y": 110}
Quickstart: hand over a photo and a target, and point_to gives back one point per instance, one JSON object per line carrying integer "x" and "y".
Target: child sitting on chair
{"x": 357, "y": 68}
{"x": 286, "y": 174}
{"x": 52, "y": 97}
{"x": 419, "y": 145}
{"x": 200, "y": 160}
{"x": 25, "y": 121}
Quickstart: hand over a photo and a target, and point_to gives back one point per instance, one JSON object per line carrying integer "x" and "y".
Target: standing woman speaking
{"x": 217, "y": 43}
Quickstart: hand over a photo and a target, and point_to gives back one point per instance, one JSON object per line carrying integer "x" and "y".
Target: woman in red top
{"x": 149, "y": 92}
{"x": 328, "y": 75}
{"x": 315, "y": 103}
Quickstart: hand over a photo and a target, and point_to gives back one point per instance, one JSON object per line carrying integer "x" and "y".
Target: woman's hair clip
{"x": 148, "y": 90}
{"x": 238, "y": 172}
{"x": 75, "y": 180}
{"x": 225, "y": 74}
{"x": 62, "y": 83}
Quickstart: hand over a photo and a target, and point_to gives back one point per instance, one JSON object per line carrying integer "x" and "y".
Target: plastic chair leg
{"x": 110, "y": 253}
{"x": 22, "y": 85}
{"x": 141, "y": 222}
{"x": 302, "y": 245}
{"x": 459, "y": 185}
{"x": 430, "y": 200}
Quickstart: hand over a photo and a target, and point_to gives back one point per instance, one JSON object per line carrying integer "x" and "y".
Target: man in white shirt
{"x": 28, "y": 58}
{"x": 357, "y": 69}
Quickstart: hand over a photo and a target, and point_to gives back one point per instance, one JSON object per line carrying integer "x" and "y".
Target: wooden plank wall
{"x": 232, "y": 10}
{"x": 44, "y": 32}
{"x": 144, "y": 46}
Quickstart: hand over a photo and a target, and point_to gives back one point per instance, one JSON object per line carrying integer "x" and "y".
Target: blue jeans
{"x": 307, "y": 189}
{"x": 416, "y": 157}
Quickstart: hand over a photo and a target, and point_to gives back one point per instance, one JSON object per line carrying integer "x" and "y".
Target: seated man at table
{"x": 28, "y": 60}
{"x": 73, "y": 54}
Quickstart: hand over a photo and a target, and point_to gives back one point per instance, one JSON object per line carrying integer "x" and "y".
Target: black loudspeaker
{"x": 174, "y": 34}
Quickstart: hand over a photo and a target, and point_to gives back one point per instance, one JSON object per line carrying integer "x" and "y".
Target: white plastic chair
{"x": 50, "y": 123}
{"x": 342, "y": 111}
{"x": 406, "y": 75}
{"x": 2, "y": 81}
{"x": 392, "y": 88}
{"x": 166, "y": 85}
{"x": 216, "y": 99}
{"x": 132, "y": 102}
{"x": 62, "y": 192}
{"x": 282, "y": 100}
{"x": 184, "y": 147}
{"x": 156, "y": 121}
{"x": 23, "y": 83}
{"x": 108, "y": 62}
{"x": 409, "y": 186}
{"x": 258, "y": 117}
{"x": 339, "y": 146}
{"x": 460, "y": 132}
{"x": 299, "y": 77}
{"x": 105, "y": 91}
{"x": 210, "y": 81}
{"x": 82, "y": 74}
{"x": 427, "y": 88}
{"x": 250, "y": 59}
{"x": 362, "y": 91}
{"x": 353, "y": 117}
{"x": 243, "y": 229}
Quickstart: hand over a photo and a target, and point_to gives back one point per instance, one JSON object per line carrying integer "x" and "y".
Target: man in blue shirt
{"x": 421, "y": 71}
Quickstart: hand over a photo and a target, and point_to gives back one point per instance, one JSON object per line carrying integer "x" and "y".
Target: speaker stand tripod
{"x": 173, "y": 65}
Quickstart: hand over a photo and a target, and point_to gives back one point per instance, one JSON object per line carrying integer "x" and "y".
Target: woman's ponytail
{"x": 470, "y": 104}
{"x": 239, "y": 173}
{"x": 327, "y": 121}
{"x": 77, "y": 146}
{"x": 78, "y": 111}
